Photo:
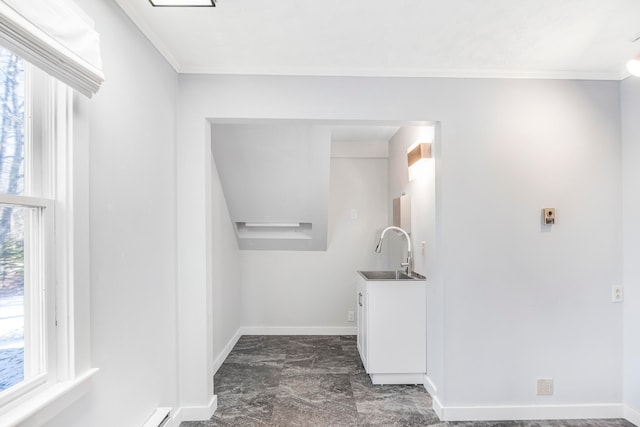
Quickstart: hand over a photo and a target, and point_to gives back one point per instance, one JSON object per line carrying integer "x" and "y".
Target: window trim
{"x": 65, "y": 135}
{"x": 24, "y": 387}
{"x": 26, "y": 201}
{"x": 40, "y": 297}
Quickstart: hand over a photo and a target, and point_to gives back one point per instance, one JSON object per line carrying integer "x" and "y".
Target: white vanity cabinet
{"x": 392, "y": 330}
{"x": 362, "y": 331}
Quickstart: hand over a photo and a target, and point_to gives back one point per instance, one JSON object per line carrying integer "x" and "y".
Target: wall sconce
{"x": 417, "y": 156}
{"x": 634, "y": 66}
{"x": 418, "y": 152}
{"x": 183, "y": 3}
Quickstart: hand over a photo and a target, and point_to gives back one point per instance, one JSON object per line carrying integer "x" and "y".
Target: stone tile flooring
{"x": 319, "y": 381}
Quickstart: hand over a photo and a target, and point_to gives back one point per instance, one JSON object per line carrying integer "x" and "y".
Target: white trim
{"x": 402, "y": 72}
{"x": 157, "y": 416}
{"x": 298, "y": 330}
{"x": 146, "y": 30}
{"x": 174, "y": 421}
{"x": 437, "y": 407}
{"x": 226, "y": 350}
{"x": 315, "y": 122}
{"x": 430, "y": 386}
{"x": 41, "y": 407}
{"x": 529, "y": 412}
{"x": 25, "y": 201}
{"x": 632, "y": 415}
{"x": 195, "y": 413}
{"x": 20, "y": 389}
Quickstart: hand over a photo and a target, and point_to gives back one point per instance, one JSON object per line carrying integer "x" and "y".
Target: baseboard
{"x": 195, "y": 413}
{"x": 437, "y": 407}
{"x": 430, "y": 386}
{"x": 632, "y": 415}
{"x": 533, "y": 412}
{"x": 226, "y": 350}
{"x": 298, "y": 330}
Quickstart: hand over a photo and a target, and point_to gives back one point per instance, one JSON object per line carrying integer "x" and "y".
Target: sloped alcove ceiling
{"x": 276, "y": 183}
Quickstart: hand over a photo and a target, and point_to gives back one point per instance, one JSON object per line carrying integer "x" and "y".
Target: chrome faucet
{"x": 409, "y": 263}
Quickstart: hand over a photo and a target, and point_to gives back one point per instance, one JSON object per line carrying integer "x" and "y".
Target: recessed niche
{"x": 279, "y": 230}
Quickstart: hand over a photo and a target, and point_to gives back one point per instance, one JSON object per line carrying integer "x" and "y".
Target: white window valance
{"x": 56, "y": 36}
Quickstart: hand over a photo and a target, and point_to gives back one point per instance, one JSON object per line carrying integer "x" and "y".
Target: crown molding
{"x": 403, "y": 72}
{"x": 146, "y": 30}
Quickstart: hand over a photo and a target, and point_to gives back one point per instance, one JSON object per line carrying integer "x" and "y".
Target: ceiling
{"x": 588, "y": 39}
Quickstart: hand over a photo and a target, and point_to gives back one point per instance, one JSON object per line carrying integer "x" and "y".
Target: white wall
{"x": 527, "y": 301}
{"x": 227, "y": 303}
{"x": 422, "y": 190}
{"x": 630, "y": 91}
{"x": 133, "y": 230}
{"x": 316, "y": 289}
{"x": 422, "y": 193}
{"x": 519, "y": 302}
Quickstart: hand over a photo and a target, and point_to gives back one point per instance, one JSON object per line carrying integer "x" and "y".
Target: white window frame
{"x": 55, "y": 120}
{"x": 37, "y": 296}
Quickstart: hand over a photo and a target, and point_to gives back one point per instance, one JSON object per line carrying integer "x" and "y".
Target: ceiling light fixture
{"x": 183, "y": 3}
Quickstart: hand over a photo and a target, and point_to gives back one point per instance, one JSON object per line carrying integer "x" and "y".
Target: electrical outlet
{"x": 354, "y": 213}
{"x": 616, "y": 293}
{"x": 351, "y": 316}
{"x": 423, "y": 247}
{"x": 544, "y": 387}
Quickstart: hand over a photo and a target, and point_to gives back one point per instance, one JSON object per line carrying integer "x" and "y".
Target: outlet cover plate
{"x": 544, "y": 387}
{"x": 616, "y": 293}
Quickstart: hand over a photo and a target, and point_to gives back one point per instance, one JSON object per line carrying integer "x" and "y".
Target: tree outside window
{"x": 12, "y": 147}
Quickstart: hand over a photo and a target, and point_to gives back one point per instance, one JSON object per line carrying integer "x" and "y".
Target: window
{"x": 44, "y": 159}
{"x": 27, "y": 308}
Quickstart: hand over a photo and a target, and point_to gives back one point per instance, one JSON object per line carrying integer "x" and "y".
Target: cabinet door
{"x": 361, "y": 296}
{"x": 397, "y": 328}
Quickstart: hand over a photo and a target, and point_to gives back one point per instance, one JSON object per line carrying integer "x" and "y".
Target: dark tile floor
{"x": 319, "y": 381}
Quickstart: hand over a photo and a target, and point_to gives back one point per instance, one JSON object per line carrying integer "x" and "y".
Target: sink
{"x": 387, "y": 275}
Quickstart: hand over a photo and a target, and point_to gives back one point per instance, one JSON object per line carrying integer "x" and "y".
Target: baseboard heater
{"x": 159, "y": 418}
